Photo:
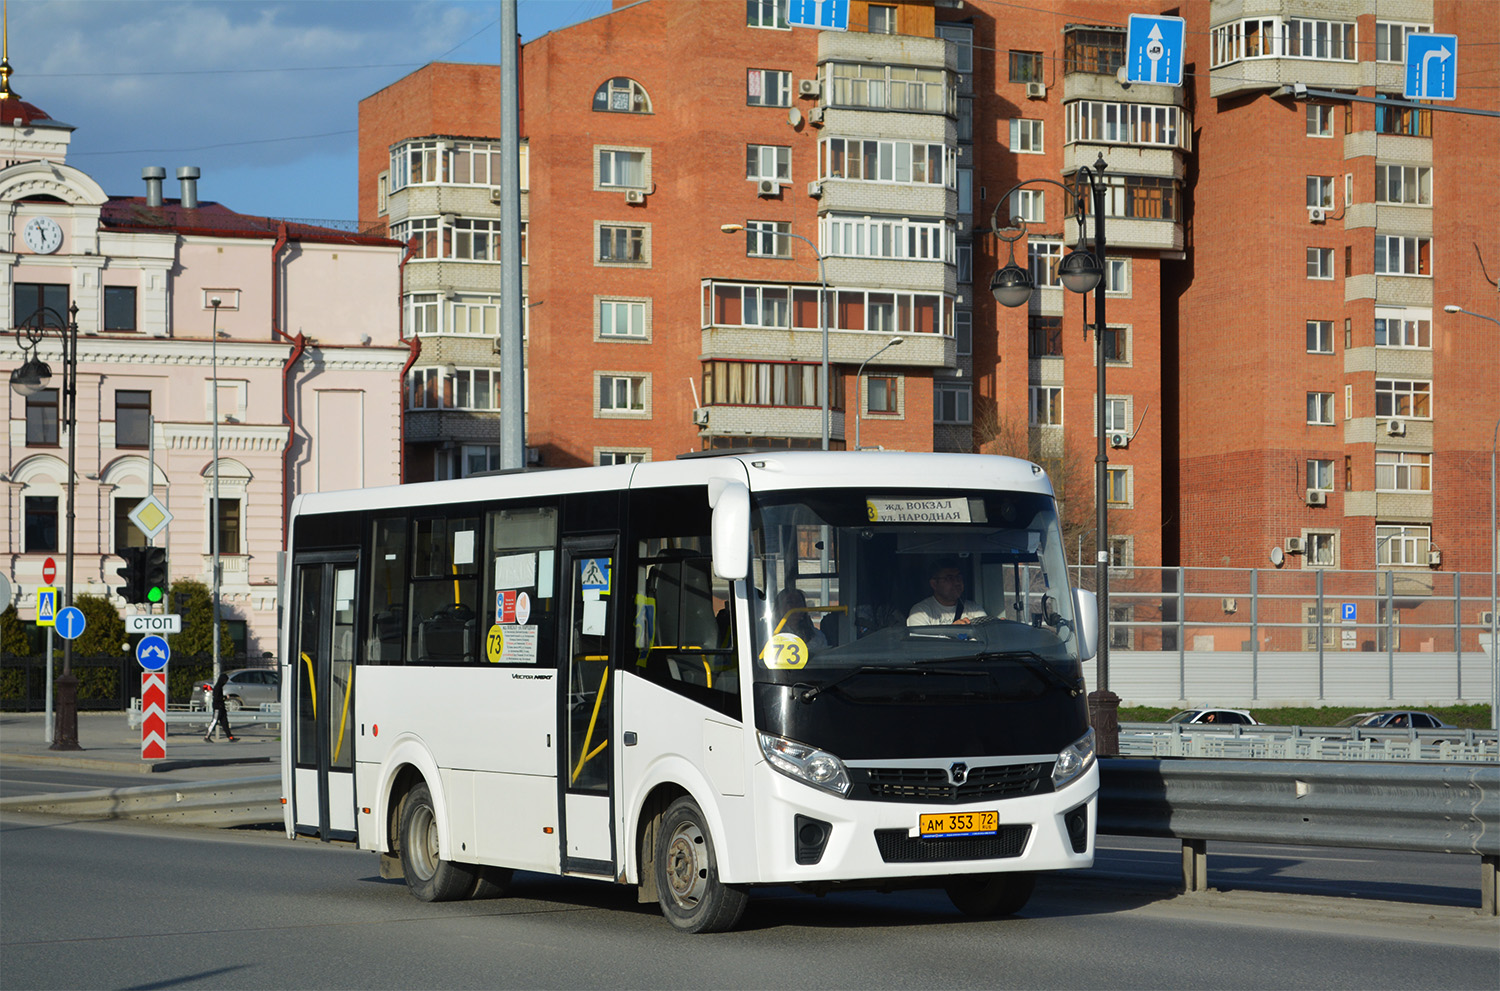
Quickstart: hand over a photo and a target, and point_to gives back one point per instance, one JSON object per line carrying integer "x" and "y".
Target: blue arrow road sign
{"x": 153, "y": 653}
{"x": 1153, "y": 50}
{"x": 830, "y": 15}
{"x": 70, "y": 623}
{"x": 1431, "y": 66}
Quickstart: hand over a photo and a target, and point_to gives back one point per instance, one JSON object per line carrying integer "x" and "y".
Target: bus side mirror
{"x": 731, "y": 528}
{"x": 1086, "y": 615}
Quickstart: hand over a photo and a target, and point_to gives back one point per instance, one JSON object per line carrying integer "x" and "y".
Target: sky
{"x": 262, "y": 96}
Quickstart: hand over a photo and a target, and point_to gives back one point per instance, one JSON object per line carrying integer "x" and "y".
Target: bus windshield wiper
{"x": 1034, "y": 663}
{"x": 810, "y": 692}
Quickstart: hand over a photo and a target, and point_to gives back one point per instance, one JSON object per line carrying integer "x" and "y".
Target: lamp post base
{"x": 65, "y": 725}
{"x": 1104, "y": 716}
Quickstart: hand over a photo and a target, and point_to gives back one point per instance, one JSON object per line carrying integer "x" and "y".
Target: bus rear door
{"x": 318, "y": 707}
{"x": 587, "y": 648}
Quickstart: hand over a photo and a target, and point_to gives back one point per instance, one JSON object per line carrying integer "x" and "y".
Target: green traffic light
{"x": 154, "y": 595}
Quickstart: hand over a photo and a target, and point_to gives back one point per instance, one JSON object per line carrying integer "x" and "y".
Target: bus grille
{"x": 931, "y": 784}
{"x": 898, "y": 847}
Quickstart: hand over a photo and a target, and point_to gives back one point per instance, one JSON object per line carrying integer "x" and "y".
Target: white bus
{"x": 695, "y": 677}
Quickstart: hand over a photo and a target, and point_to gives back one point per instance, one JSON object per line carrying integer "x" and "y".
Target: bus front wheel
{"x": 429, "y": 877}
{"x": 687, "y": 874}
{"x": 989, "y": 895}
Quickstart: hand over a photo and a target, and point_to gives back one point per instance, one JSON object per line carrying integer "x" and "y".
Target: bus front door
{"x": 321, "y": 697}
{"x": 586, "y": 760}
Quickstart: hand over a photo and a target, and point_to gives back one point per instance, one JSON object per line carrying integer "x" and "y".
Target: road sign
{"x": 150, "y": 516}
{"x": 46, "y": 606}
{"x": 49, "y": 571}
{"x": 829, "y": 15}
{"x": 71, "y": 623}
{"x": 170, "y": 623}
{"x": 153, "y": 653}
{"x": 153, "y": 715}
{"x": 1153, "y": 50}
{"x": 594, "y": 574}
{"x": 4, "y": 593}
{"x": 1349, "y": 612}
{"x": 1432, "y": 66}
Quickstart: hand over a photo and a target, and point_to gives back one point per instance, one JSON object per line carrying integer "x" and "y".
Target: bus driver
{"x": 946, "y": 604}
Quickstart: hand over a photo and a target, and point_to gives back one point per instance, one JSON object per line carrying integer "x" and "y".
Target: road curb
{"x": 125, "y": 766}
{"x": 245, "y": 801}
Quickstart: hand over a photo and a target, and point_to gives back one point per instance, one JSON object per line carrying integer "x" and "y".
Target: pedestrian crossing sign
{"x": 593, "y": 574}
{"x": 46, "y": 606}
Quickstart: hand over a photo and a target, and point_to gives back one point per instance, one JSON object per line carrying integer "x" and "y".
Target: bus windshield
{"x": 867, "y": 602}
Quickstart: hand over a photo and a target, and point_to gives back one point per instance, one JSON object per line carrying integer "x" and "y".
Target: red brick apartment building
{"x": 1281, "y": 371}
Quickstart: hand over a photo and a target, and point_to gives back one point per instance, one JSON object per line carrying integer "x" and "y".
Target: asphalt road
{"x": 129, "y": 905}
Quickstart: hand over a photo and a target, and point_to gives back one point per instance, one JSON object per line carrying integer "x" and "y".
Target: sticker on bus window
{"x": 515, "y": 570}
{"x": 510, "y": 644}
{"x": 512, "y": 606}
{"x": 918, "y": 510}
{"x": 786, "y": 650}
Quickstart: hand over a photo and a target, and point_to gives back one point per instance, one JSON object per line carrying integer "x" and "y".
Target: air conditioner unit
{"x": 1119, "y": 440}
{"x": 635, "y": 196}
{"x": 768, "y": 187}
{"x": 1294, "y": 545}
{"x": 496, "y": 195}
{"x": 1486, "y": 618}
{"x": 815, "y": 189}
{"x": 1036, "y": 91}
{"x": 700, "y": 417}
{"x": 1316, "y": 214}
{"x": 1396, "y": 428}
{"x": 815, "y": 116}
{"x": 1317, "y": 497}
{"x": 1434, "y": 558}
{"x": 809, "y": 87}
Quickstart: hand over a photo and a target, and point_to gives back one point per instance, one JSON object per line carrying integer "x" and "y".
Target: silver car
{"x": 246, "y": 688}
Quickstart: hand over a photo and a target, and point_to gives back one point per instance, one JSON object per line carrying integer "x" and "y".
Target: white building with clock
{"x": 302, "y": 357}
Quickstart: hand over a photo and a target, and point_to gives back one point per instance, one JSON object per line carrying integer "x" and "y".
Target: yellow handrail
{"x": 588, "y": 736}
{"x": 312, "y": 682}
{"x": 344, "y": 719}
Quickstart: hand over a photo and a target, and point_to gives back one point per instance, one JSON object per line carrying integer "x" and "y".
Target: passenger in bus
{"x": 791, "y": 608}
{"x": 946, "y": 605}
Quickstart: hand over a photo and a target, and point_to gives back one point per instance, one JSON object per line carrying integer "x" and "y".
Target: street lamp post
{"x": 214, "y": 522}
{"x": 29, "y": 379}
{"x": 822, "y": 314}
{"x": 1494, "y": 563}
{"x": 859, "y": 378}
{"x": 1080, "y": 272}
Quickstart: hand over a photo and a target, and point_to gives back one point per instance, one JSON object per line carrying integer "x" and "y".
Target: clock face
{"x": 43, "y": 235}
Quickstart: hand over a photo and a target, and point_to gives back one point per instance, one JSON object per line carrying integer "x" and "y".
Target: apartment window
{"x": 882, "y": 19}
{"x": 1044, "y": 336}
{"x": 1401, "y": 328}
{"x": 1321, "y": 550}
{"x": 1403, "y": 471}
{"x": 963, "y": 331}
{"x": 1026, "y": 136}
{"x": 1116, "y": 414}
{"x": 1406, "y": 185}
{"x": 1320, "y": 407}
{"x": 479, "y": 316}
{"x": 767, "y": 383}
{"x": 623, "y": 169}
{"x": 887, "y": 161}
{"x": 1125, "y": 123}
{"x": 1330, "y": 40}
{"x": 1118, "y": 486}
{"x": 477, "y": 240}
{"x": 1320, "y": 337}
{"x": 41, "y": 418}
{"x": 1319, "y": 120}
{"x": 620, "y": 244}
{"x": 132, "y": 418}
{"x": 474, "y": 163}
{"x": 1121, "y": 551}
{"x": 1390, "y": 39}
{"x": 119, "y": 308}
{"x": 1025, "y": 67}
{"x": 1405, "y": 398}
{"x": 1043, "y": 258}
{"x": 1320, "y": 263}
{"x": 1402, "y": 255}
{"x": 1116, "y": 343}
{"x": 1400, "y": 545}
{"x": 34, "y": 297}
{"x": 768, "y": 162}
{"x": 622, "y": 95}
{"x": 623, "y": 318}
{"x": 768, "y": 239}
{"x": 1046, "y": 406}
{"x": 965, "y": 191}
{"x": 881, "y": 393}
{"x": 1348, "y": 402}
{"x": 913, "y": 239}
{"x": 966, "y": 120}
{"x": 760, "y": 14}
{"x": 622, "y": 393}
{"x": 962, "y": 37}
{"x": 127, "y": 534}
{"x": 424, "y": 230}
{"x": 768, "y": 88}
{"x": 1403, "y": 120}
{"x": 1028, "y": 205}
{"x": 476, "y": 388}
{"x": 227, "y": 512}
{"x": 475, "y": 458}
{"x": 1139, "y": 198}
{"x": 40, "y": 523}
{"x": 1320, "y": 474}
{"x": 952, "y": 403}
{"x": 619, "y": 457}
{"x": 1320, "y": 191}
{"x": 893, "y": 87}
{"x": 1098, "y": 52}
{"x": 1117, "y": 276}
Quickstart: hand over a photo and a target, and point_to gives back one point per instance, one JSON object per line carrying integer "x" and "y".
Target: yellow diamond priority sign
{"x": 150, "y": 516}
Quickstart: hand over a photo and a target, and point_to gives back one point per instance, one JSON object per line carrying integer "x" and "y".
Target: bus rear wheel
{"x": 692, "y": 897}
{"x": 989, "y": 895}
{"x": 429, "y": 877}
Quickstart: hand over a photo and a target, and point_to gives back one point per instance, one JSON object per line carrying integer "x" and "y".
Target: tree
{"x": 15, "y": 637}
{"x": 104, "y": 632}
{"x": 196, "y": 638}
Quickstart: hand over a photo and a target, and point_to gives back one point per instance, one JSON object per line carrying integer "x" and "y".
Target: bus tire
{"x": 989, "y": 895}
{"x": 429, "y": 877}
{"x": 692, "y": 897}
{"x": 491, "y": 882}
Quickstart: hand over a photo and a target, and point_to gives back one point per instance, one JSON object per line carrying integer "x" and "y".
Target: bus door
{"x": 320, "y": 696}
{"x": 586, "y": 720}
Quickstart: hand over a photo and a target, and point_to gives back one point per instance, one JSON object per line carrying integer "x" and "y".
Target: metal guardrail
{"x": 1306, "y": 742}
{"x": 1438, "y": 808}
{"x": 179, "y": 715}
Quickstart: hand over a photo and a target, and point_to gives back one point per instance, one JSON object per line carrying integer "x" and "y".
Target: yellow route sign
{"x": 494, "y": 644}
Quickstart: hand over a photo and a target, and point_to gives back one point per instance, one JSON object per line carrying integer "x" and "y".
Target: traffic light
{"x": 154, "y": 575}
{"x": 134, "y": 574}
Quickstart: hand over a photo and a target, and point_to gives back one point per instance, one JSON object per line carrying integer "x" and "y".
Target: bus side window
{"x": 387, "y": 611}
{"x": 444, "y": 591}
{"x": 521, "y": 584}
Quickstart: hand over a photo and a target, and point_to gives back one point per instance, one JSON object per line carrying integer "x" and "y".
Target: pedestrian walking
{"x": 221, "y": 714}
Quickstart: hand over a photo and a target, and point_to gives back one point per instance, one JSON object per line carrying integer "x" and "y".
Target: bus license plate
{"x": 960, "y": 823}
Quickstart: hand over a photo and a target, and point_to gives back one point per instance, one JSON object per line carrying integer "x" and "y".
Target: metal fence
{"x": 1306, "y": 742}
{"x": 105, "y": 684}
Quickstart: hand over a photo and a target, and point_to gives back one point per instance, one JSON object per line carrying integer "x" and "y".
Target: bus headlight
{"x": 807, "y": 764}
{"x": 1073, "y": 761}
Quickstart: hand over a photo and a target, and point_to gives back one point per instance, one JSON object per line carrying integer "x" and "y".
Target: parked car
{"x": 1395, "y": 719}
{"x": 247, "y": 688}
{"x": 1218, "y": 717}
